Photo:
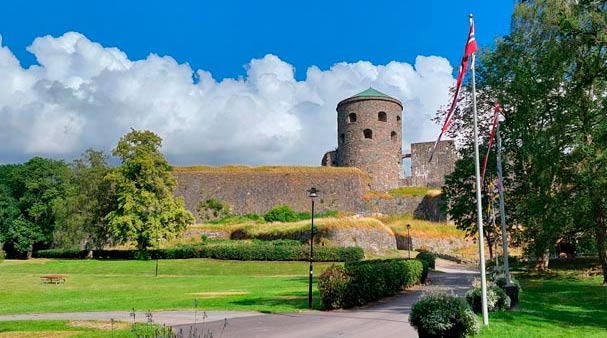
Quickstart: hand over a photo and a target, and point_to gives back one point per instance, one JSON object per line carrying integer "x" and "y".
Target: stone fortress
{"x": 368, "y": 159}
{"x": 369, "y": 129}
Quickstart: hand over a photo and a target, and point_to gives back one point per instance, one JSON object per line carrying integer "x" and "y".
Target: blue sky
{"x": 220, "y": 40}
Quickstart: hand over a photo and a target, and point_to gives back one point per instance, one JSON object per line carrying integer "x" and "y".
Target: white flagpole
{"x": 479, "y": 207}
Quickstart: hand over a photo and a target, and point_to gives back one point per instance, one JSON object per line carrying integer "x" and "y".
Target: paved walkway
{"x": 385, "y": 319}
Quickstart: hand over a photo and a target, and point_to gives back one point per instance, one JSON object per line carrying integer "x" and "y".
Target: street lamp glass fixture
{"x": 312, "y": 193}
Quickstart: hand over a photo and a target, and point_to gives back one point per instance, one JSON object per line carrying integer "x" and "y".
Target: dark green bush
{"x": 333, "y": 286}
{"x": 442, "y": 315}
{"x": 268, "y": 251}
{"x": 58, "y": 253}
{"x": 497, "y": 300}
{"x": 414, "y": 272}
{"x": 428, "y": 257}
{"x": 281, "y": 213}
{"x": 425, "y": 271}
{"x": 369, "y": 280}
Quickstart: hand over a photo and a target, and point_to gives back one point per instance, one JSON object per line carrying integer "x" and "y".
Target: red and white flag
{"x": 496, "y": 114}
{"x": 470, "y": 49}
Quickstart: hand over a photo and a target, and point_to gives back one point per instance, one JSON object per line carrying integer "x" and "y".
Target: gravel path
{"x": 385, "y": 319}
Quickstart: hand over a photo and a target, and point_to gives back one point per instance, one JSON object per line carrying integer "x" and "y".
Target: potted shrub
{"x": 442, "y": 315}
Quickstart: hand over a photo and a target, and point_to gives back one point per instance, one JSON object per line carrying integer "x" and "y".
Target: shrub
{"x": 268, "y": 251}
{"x": 414, "y": 272}
{"x": 428, "y": 257}
{"x": 281, "y": 213}
{"x": 442, "y": 315}
{"x": 2, "y": 256}
{"x": 500, "y": 280}
{"x": 368, "y": 281}
{"x": 333, "y": 287}
{"x": 497, "y": 300}
{"x": 425, "y": 271}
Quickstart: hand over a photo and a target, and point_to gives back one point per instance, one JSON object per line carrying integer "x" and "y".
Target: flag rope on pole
{"x": 496, "y": 114}
{"x": 470, "y": 48}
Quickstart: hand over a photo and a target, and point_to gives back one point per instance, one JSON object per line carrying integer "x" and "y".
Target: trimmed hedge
{"x": 231, "y": 251}
{"x": 358, "y": 283}
{"x": 428, "y": 257}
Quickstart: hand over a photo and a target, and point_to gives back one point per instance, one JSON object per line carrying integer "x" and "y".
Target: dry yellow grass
{"x": 422, "y": 229}
{"x": 39, "y": 334}
{"x": 415, "y": 191}
{"x": 99, "y": 325}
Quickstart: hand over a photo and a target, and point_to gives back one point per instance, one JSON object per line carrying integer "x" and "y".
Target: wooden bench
{"x": 53, "y": 279}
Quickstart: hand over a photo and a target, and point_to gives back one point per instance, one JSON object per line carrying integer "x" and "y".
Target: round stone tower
{"x": 369, "y": 137}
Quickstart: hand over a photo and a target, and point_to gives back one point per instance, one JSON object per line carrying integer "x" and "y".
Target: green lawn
{"x": 560, "y": 304}
{"x": 94, "y": 285}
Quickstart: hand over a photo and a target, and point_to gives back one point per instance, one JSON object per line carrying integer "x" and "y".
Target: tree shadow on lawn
{"x": 565, "y": 301}
{"x": 297, "y": 300}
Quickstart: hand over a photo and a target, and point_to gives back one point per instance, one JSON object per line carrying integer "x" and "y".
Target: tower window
{"x": 342, "y": 138}
{"x": 397, "y": 118}
{"x": 352, "y": 117}
{"x": 382, "y": 116}
{"x": 393, "y": 136}
{"x": 368, "y": 133}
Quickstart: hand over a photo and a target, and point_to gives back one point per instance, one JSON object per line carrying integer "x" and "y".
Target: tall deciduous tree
{"x": 147, "y": 210}
{"x": 29, "y": 192}
{"x": 550, "y": 74}
{"x": 89, "y": 198}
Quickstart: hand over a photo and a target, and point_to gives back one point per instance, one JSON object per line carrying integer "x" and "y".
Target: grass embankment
{"x": 561, "y": 303}
{"x": 252, "y": 229}
{"x": 122, "y": 285}
{"x": 273, "y": 169}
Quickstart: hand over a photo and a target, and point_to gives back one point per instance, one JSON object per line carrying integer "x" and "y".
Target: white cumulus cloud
{"x": 83, "y": 95}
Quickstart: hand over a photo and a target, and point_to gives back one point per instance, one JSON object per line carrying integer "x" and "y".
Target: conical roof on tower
{"x": 370, "y": 94}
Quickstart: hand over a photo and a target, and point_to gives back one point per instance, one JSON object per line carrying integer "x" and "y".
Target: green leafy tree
{"x": 550, "y": 75}
{"x": 29, "y": 192}
{"x": 90, "y": 196}
{"x": 146, "y": 210}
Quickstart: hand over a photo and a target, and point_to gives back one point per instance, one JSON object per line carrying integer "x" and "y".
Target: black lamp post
{"x": 312, "y": 193}
{"x": 409, "y": 240}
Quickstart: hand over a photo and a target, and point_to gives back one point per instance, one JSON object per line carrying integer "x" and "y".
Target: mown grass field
{"x": 562, "y": 303}
{"x": 94, "y": 285}
{"x": 71, "y": 329}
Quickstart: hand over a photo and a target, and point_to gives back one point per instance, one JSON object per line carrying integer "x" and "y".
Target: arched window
{"x": 382, "y": 116}
{"x": 352, "y": 117}
{"x": 397, "y": 118}
{"x": 368, "y": 133}
{"x": 393, "y": 136}
{"x": 342, "y": 138}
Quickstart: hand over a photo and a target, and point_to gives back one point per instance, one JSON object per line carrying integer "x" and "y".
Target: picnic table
{"x": 53, "y": 279}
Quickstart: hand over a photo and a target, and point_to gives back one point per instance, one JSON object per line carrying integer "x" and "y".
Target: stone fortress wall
{"x": 430, "y": 174}
{"x": 368, "y": 158}
{"x": 257, "y": 190}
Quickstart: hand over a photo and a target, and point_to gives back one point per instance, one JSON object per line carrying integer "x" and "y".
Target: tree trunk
{"x": 30, "y": 251}
{"x": 600, "y": 245}
{"x": 489, "y": 244}
{"x": 543, "y": 258}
